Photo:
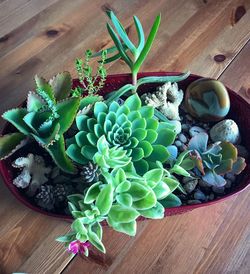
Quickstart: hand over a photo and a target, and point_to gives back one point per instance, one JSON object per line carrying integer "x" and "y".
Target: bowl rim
{"x": 168, "y": 211}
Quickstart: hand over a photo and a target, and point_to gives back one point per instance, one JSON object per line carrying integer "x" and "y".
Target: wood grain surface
{"x": 208, "y": 37}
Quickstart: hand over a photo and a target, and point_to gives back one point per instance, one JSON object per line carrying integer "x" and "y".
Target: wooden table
{"x": 208, "y": 37}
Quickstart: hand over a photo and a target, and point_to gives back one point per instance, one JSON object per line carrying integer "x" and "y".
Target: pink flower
{"x": 78, "y": 247}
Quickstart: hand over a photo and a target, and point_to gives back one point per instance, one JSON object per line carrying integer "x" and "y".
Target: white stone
{"x": 226, "y": 130}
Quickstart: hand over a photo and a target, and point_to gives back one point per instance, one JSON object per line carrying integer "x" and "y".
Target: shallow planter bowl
{"x": 239, "y": 112}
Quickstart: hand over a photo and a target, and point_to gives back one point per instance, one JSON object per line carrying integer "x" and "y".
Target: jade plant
{"x": 213, "y": 161}
{"x": 48, "y": 115}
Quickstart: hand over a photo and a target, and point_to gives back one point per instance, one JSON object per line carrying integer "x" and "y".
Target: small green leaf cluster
{"x": 48, "y": 115}
{"x": 214, "y": 161}
{"x": 90, "y": 84}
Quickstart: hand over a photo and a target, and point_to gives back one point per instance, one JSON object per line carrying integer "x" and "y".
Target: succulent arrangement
{"x": 115, "y": 157}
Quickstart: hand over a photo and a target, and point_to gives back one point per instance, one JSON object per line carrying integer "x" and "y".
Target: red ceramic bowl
{"x": 239, "y": 111}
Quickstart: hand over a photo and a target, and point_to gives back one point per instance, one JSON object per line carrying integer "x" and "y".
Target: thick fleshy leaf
{"x": 10, "y": 143}
{"x": 57, "y": 152}
{"x": 61, "y": 85}
{"x": 199, "y": 142}
{"x": 89, "y": 100}
{"x": 81, "y": 122}
{"x": 139, "y": 123}
{"x": 171, "y": 201}
{"x": 92, "y": 193}
{"x": 34, "y": 102}
{"x": 151, "y": 136}
{"x": 213, "y": 179}
{"x": 139, "y": 134}
{"x": 152, "y": 123}
{"x": 239, "y": 165}
{"x": 81, "y": 138}
{"x": 156, "y": 212}
{"x": 179, "y": 170}
{"x": 172, "y": 183}
{"x": 134, "y": 115}
{"x": 105, "y": 199}
{"x": 165, "y": 137}
{"x": 88, "y": 152}
{"x": 91, "y": 124}
{"x": 66, "y": 110}
{"x": 225, "y": 166}
{"x": 141, "y": 166}
{"x": 161, "y": 190}
{"x": 147, "y": 202}
{"x": 229, "y": 151}
{"x": 127, "y": 228}
{"x": 100, "y": 107}
{"x": 147, "y": 111}
{"x": 92, "y": 139}
{"x": 124, "y": 199}
{"x": 78, "y": 227}
{"x": 122, "y": 214}
{"x": 123, "y": 187}
{"x": 147, "y": 148}
{"x": 159, "y": 153}
{"x": 15, "y": 117}
{"x": 97, "y": 229}
{"x": 133, "y": 102}
{"x": 74, "y": 152}
{"x": 137, "y": 154}
{"x": 114, "y": 106}
{"x": 44, "y": 86}
{"x": 154, "y": 175}
{"x": 95, "y": 241}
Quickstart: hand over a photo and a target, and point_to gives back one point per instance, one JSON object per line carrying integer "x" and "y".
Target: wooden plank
{"x": 192, "y": 33}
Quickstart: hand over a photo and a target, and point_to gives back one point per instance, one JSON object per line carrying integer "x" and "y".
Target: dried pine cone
{"x": 90, "y": 173}
{"x": 61, "y": 192}
{"x": 45, "y": 197}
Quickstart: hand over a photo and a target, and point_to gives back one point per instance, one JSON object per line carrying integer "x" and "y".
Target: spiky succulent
{"x": 130, "y": 126}
{"x": 48, "y": 115}
{"x": 214, "y": 161}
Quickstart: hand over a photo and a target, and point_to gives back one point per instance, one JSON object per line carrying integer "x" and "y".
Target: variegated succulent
{"x": 214, "y": 161}
{"x": 130, "y": 126}
{"x": 48, "y": 115}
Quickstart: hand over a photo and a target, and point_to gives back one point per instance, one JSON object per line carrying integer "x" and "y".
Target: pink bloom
{"x": 78, "y": 247}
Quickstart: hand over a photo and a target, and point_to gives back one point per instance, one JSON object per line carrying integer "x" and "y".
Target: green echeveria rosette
{"x": 130, "y": 126}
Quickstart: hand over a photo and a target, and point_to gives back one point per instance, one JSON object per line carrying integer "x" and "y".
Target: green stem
{"x": 134, "y": 80}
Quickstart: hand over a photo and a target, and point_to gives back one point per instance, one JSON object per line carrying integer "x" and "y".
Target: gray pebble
{"x": 218, "y": 190}
{"x": 199, "y": 195}
{"x": 185, "y": 127}
{"x": 187, "y": 179}
{"x": 190, "y": 186}
{"x": 211, "y": 197}
{"x": 189, "y": 118}
{"x": 242, "y": 151}
{"x": 228, "y": 184}
{"x": 182, "y": 138}
{"x": 203, "y": 184}
{"x": 196, "y": 130}
{"x": 193, "y": 202}
{"x": 178, "y": 143}
{"x": 230, "y": 176}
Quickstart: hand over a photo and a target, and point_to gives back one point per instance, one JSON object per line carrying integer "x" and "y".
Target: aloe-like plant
{"x": 214, "y": 161}
{"x": 48, "y": 115}
{"x": 130, "y": 126}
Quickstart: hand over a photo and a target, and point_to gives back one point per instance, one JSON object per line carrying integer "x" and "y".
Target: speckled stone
{"x": 226, "y": 130}
{"x": 199, "y": 195}
{"x": 195, "y": 130}
{"x": 207, "y": 100}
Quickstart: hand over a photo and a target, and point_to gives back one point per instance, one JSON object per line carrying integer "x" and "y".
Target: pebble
{"x": 185, "y": 127}
{"x": 199, "y": 195}
{"x": 226, "y": 130}
{"x": 242, "y": 151}
{"x": 196, "y": 130}
{"x": 193, "y": 202}
{"x": 190, "y": 186}
{"x": 228, "y": 184}
{"x": 203, "y": 184}
{"x": 178, "y": 143}
{"x": 230, "y": 176}
{"x": 182, "y": 138}
{"x": 211, "y": 197}
{"x": 218, "y": 190}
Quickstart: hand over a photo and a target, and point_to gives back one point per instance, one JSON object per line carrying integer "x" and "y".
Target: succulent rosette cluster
{"x": 129, "y": 126}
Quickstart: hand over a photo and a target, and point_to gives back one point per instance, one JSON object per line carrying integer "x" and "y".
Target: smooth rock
{"x": 196, "y": 130}
{"x": 207, "y": 100}
{"x": 218, "y": 190}
{"x": 230, "y": 176}
{"x": 193, "y": 202}
{"x": 226, "y": 130}
{"x": 178, "y": 143}
{"x": 211, "y": 197}
{"x": 185, "y": 127}
{"x": 182, "y": 138}
{"x": 242, "y": 151}
{"x": 190, "y": 186}
{"x": 228, "y": 184}
{"x": 199, "y": 195}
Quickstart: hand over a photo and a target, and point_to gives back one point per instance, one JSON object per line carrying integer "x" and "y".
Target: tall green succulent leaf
{"x": 61, "y": 85}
